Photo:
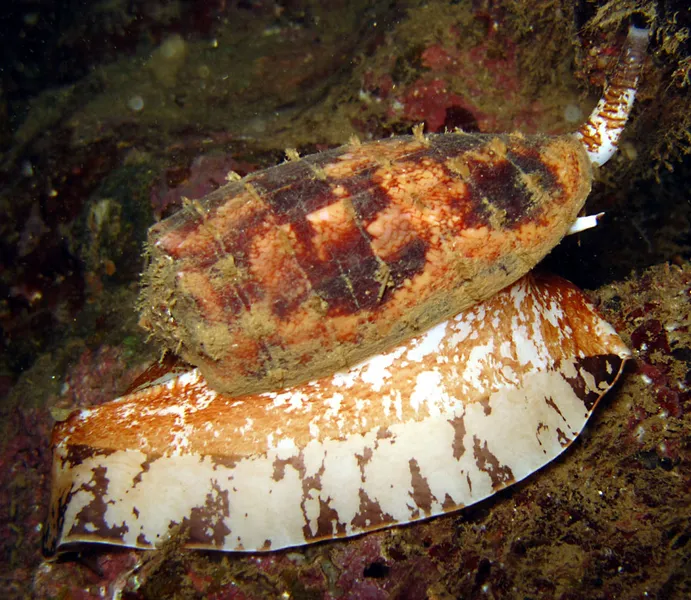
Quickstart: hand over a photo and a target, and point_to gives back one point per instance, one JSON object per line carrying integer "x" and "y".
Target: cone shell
{"x": 440, "y": 422}
{"x": 313, "y": 265}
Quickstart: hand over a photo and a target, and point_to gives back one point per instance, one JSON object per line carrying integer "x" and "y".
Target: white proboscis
{"x": 583, "y": 223}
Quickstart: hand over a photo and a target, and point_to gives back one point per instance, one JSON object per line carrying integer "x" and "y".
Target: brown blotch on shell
{"x": 285, "y": 276}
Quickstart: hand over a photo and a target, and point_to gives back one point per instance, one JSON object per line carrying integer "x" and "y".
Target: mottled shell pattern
{"x": 367, "y": 353}
{"x": 347, "y": 252}
{"x": 315, "y": 264}
{"x": 440, "y": 422}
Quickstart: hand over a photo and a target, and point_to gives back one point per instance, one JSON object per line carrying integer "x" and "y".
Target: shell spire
{"x": 601, "y": 132}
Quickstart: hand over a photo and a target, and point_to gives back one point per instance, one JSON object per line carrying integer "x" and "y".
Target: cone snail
{"x": 362, "y": 344}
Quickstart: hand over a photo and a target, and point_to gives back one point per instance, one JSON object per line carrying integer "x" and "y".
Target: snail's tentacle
{"x": 601, "y": 132}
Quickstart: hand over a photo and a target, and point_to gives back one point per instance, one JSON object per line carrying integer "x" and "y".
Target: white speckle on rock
{"x": 573, "y": 113}
{"x": 136, "y": 103}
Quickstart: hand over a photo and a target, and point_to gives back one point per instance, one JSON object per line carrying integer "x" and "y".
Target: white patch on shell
{"x": 375, "y": 370}
{"x": 427, "y": 343}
